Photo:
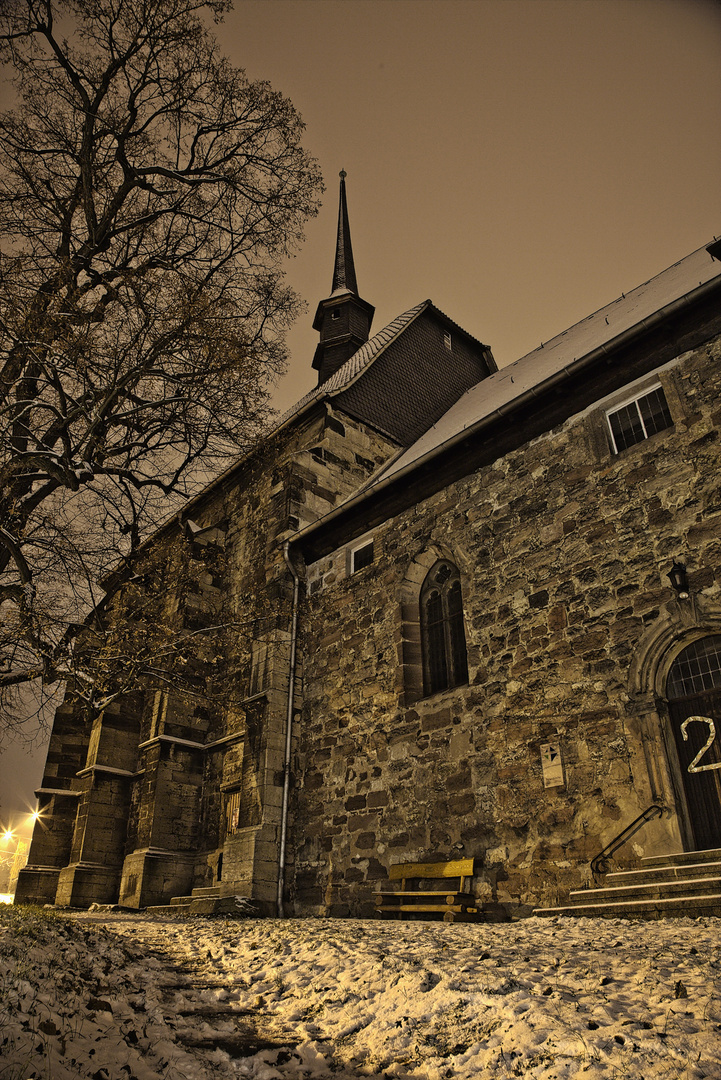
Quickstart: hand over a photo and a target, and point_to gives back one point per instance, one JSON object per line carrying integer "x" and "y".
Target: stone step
{"x": 684, "y": 883}
{"x": 240, "y": 906}
{"x": 671, "y": 907}
{"x": 654, "y": 890}
{"x": 680, "y": 858}
{"x": 208, "y": 890}
{"x": 665, "y": 873}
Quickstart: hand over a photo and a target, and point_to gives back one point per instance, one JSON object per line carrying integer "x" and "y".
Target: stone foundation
{"x": 155, "y": 877}
{"x": 83, "y": 884}
{"x": 37, "y": 885}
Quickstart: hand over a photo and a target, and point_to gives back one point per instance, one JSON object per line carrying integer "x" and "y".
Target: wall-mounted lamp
{"x": 679, "y": 580}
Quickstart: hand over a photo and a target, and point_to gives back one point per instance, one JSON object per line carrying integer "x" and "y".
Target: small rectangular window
{"x": 361, "y": 556}
{"x": 447, "y": 340}
{"x": 638, "y": 419}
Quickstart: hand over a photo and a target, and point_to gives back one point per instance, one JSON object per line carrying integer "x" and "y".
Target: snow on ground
{"x": 119, "y": 996}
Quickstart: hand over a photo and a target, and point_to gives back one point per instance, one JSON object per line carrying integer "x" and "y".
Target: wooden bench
{"x": 405, "y": 902}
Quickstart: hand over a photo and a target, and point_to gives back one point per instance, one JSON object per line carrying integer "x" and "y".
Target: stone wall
{"x": 295, "y": 479}
{"x": 152, "y": 782}
{"x": 563, "y": 550}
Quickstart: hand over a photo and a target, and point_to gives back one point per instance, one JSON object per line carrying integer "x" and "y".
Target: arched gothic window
{"x": 445, "y": 663}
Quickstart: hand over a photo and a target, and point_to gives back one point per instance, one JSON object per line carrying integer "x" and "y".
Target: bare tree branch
{"x": 149, "y": 193}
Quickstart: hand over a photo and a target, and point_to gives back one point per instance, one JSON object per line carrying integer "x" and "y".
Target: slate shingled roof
{"x": 357, "y": 363}
{"x": 404, "y": 378}
{"x": 337, "y": 384}
{"x": 596, "y": 331}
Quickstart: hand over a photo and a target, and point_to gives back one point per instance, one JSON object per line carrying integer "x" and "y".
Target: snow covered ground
{"x": 117, "y": 996}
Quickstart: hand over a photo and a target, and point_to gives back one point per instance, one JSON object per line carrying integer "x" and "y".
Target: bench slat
{"x": 427, "y": 907}
{"x": 453, "y": 905}
{"x": 457, "y": 868}
{"x": 451, "y": 898}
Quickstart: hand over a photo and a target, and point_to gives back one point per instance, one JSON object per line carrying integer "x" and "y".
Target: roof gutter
{"x": 504, "y": 411}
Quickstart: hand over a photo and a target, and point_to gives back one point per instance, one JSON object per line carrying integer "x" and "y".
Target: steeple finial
{"x": 344, "y": 269}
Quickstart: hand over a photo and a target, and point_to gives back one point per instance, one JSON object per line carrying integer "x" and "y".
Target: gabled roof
{"x": 343, "y": 378}
{"x": 357, "y": 364}
{"x": 361, "y": 360}
{"x": 602, "y": 328}
{"x": 482, "y": 419}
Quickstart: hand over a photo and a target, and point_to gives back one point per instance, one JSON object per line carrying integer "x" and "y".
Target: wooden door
{"x": 694, "y": 696}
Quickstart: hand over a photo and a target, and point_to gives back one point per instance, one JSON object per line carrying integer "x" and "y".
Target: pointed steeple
{"x": 344, "y": 270}
{"x": 343, "y": 319}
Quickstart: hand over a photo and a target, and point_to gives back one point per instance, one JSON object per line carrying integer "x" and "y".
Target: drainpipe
{"x": 288, "y": 729}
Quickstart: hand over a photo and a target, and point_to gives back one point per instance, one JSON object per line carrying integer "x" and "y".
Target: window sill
{"x": 441, "y": 693}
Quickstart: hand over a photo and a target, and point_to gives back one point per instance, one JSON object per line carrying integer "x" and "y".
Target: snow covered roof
{"x": 628, "y": 312}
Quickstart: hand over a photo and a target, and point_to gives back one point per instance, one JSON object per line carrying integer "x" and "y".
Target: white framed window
{"x": 447, "y": 341}
{"x": 638, "y": 418}
{"x": 361, "y": 556}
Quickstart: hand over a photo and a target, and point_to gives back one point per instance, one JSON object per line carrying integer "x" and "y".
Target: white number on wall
{"x": 694, "y": 766}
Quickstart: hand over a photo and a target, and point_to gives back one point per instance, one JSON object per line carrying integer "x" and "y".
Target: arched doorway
{"x": 693, "y": 691}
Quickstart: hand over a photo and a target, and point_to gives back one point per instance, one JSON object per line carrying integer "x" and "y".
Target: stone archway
{"x": 693, "y": 692}
{"x": 674, "y": 744}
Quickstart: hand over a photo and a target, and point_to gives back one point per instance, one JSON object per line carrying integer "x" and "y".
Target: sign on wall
{"x": 552, "y": 765}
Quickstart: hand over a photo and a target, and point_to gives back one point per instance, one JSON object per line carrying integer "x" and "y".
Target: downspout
{"x": 288, "y": 730}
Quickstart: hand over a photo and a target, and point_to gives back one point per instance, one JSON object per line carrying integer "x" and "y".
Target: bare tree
{"x": 148, "y": 194}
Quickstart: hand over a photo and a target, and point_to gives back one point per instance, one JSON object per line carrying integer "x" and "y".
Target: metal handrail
{"x": 600, "y": 862}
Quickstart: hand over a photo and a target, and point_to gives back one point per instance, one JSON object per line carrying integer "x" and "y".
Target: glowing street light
{"x": 13, "y": 855}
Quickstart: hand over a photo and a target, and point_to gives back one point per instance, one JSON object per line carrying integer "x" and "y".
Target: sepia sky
{"x": 519, "y": 162}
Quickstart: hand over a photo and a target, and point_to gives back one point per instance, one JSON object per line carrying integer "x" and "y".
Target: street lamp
{"x": 679, "y": 580}
{"x": 13, "y": 855}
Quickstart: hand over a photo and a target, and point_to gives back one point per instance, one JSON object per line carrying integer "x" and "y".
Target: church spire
{"x": 343, "y": 319}
{"x": 344, "y": 270}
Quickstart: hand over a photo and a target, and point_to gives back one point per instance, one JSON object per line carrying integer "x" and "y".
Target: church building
{"x": 474, "y": 613}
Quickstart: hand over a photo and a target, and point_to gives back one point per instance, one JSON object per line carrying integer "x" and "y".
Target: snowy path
{"x": 118, "y": 996}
